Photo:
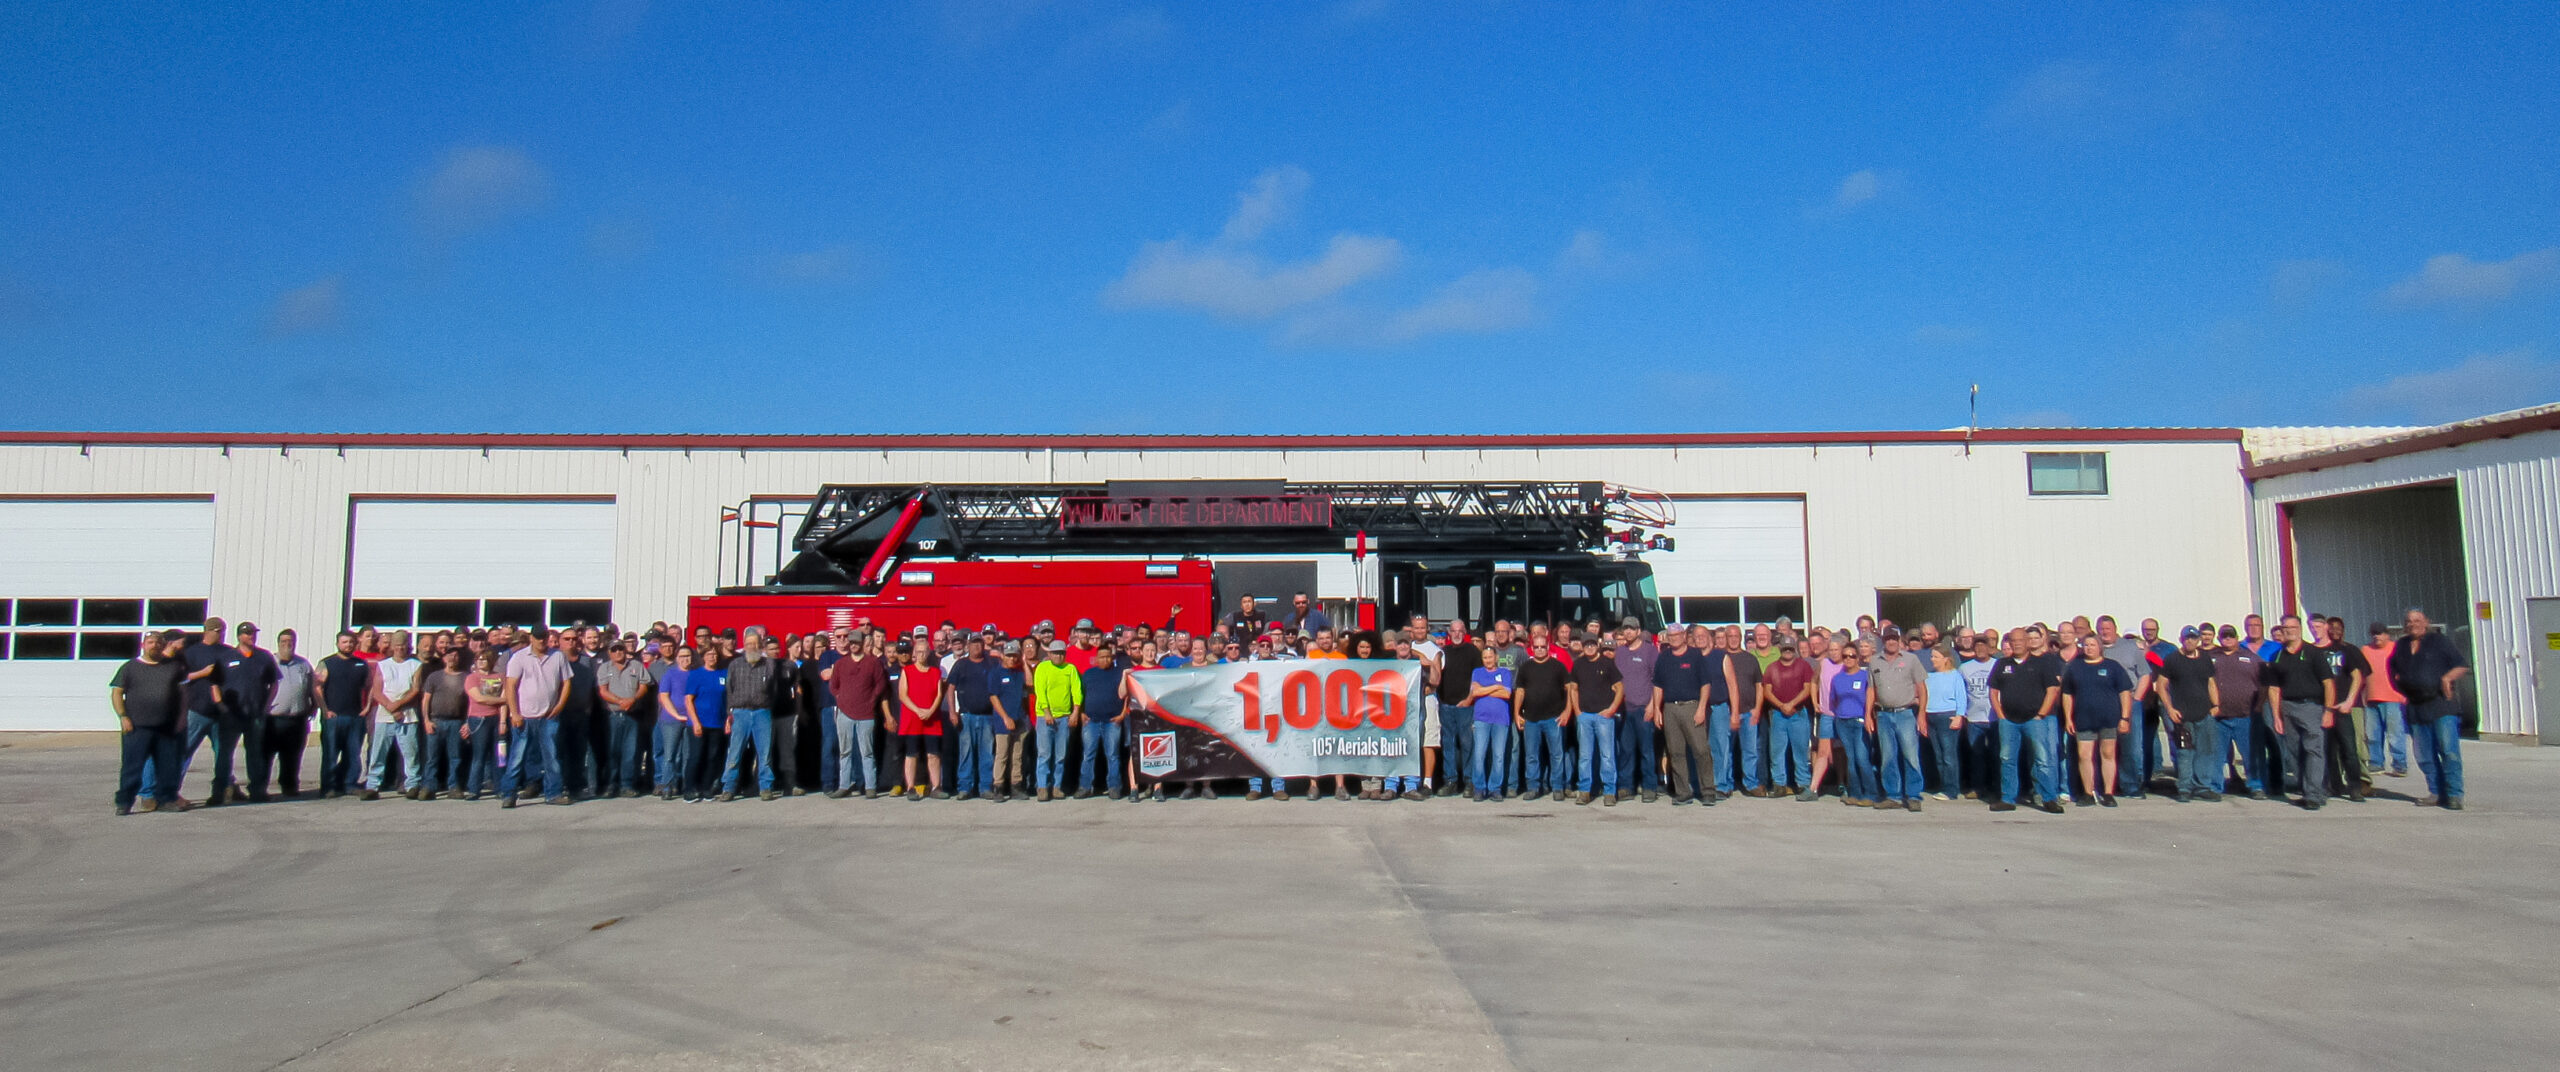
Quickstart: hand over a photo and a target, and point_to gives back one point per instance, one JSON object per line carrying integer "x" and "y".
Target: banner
{"x": 1291, "y": 718}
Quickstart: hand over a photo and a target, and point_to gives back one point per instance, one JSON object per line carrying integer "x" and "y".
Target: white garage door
{"x": 448, "y": 563}
{"x": 79, "y": 582}
{"x": 1734, "y": 560}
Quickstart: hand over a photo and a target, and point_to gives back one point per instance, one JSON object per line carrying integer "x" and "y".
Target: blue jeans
{"x": 1545, "y": 740}
{"x": 749, "y": 727}
{"x": 480, "y": 753}
{"x": 2038, "y": 736}
{"x": 448, "y": 760}
{"x": 1454, "y": 738}
{"x": 2438, "y": 742}
{"x": 1791, "y": 734}
{"x": 1492, "y": 755}
{"x": 1737, "y": 750}
{"x": 1856, "y": 752}
{"x": 830, "y": 774}
{"x": 1981, "y": 750}
{"x": 536, "y": 745}
{"x": 341, "y": 739}
{"x": 668, "y": 765}
{"x": 1947, "y": 750}
{"x": 1898, "y": 752}
{"x": 976, "y": 771}
{"x": 156, "y": 749}
{"x": 2386, "y": 724}
{"x": 1596, "y": 738}
{"x": 1049, "y": 737}
{"x": 388, "y": 736}
{"x": 850, "y": 767}
{"x": 1102, "y": 743}
{"x": 2236, "y": 731}
{"x": 1636, "y": 755}
{"x": 2134, "y": 755}
{"x": 2200, "y": 763}
{"x": 226, "y": 742}
{"x": 623, "y": 734}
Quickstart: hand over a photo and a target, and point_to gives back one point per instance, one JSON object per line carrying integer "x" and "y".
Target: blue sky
{"x": 1355, "y": 217}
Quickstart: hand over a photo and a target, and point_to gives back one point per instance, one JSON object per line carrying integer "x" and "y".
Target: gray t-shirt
{"x": 1897, "y": 679}
{"x": 448, "y": 694}
{"x": 2133, "y": 655}
{"x": 625, "y": 681}
{"x": 1977, "y": 688}
{"x": 293, "y": 688}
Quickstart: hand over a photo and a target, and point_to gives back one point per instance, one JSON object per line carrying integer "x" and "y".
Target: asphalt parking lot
{"x": 809, "y": 933}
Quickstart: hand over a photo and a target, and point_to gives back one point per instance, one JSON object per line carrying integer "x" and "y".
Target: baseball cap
{"x": 1013, "y": 647}
{"x": 1631, "y": 622}
{"x": 1085, "y": 624}
{"x": 922, "y": 631}
{"x": 906, "y": 646}
{"x": 974, "y": 638}
{"x": 2189, "y": 633}
{"x": 2229, "y": 631}
{"x": 989, "y": 629}
{"x": 1045, "y": 626}
{"x": 1057, "y": 647}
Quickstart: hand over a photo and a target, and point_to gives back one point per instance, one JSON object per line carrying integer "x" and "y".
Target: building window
{"x": 1768, "y": 609}
{"x": 1731, "y": 610}
{"x": 99, "y": 630}
{"x": 2076, "y": 473}
{"x": 476, "y": 613}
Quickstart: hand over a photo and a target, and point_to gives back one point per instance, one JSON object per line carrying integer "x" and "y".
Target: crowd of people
{"x": 2038, "y": 715}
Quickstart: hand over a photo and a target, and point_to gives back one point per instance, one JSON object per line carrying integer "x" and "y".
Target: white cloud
{"x": 1479, "y": 302}
{"x": 478, "y": 186}
{"x": 2454, "y": 279}
{"x": 1241, "y": 285}
{"x": 1272, "y": 197}
{"x": 2481, "y": 384}
{"x": 1857, "y": 189}
{"x": 306, "y": 309}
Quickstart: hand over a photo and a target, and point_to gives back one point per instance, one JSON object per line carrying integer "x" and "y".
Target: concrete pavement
{"x": 810, "y": 933}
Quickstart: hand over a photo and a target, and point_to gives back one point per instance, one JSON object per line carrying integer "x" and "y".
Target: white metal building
{"x": 104, "y": 534}
{"x": 2462, "y": 521}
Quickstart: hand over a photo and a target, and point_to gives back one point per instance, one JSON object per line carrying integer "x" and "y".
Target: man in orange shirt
{"x": 2386, "y": 711}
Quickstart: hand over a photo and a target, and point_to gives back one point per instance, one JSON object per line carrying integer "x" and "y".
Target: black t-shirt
{"x": 1746, "y": 676}
{"x": 1717, "y": 693}
{"x": 2097, "y": 692}
{"x": 1458, "y": 665}
{"x": 2189, "y": 678}
{"x": 2344, "y": 663}
{"x": 448, "y": 699}
{"x": 814, "y": 696}
{"x": 1541, "y": 684}
{"x": 1594, "y": 678}
{"x": 2296, "y": 674}
{"x": 1680, "y": 675}
{"x": 2021, "y": 684}
{"x": 349, "y": 678}
{"x": 154, "y": 693}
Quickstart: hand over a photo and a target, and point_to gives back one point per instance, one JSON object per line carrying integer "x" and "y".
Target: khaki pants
{"x": 1008, "y": 767}
{"x": 1684, "y": 743}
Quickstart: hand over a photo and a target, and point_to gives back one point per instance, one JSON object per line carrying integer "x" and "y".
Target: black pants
{"x": 275, "y": 749}
{"x": 162, "y": 748}
{"x": 709, "y": 752}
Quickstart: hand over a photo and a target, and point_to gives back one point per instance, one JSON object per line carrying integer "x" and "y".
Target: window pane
{"x": 49, "y": 612}
{"x": 43, "y": 646}
{"x": 4, "y": 645}
{"x": 575, "y": 611}
{"x": 1766, "y": 609}
{"x": 1710, "y": 610}
{"x": 444, "y": 613}
{"x": 110, "y": 645}
{"x": 95, "y": 612}
{"x": 182, "y": 613}
{"x": 382, "y": 613}
{"x": 2080, "y": 473}
{"x": 517, "y": 612}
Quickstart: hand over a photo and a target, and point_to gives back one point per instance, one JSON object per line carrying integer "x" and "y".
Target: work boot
{"x": 1582, "y": 798}
{"x": 1280, "y": 793}
{"x": 1414, "y": 794}
{"x": 2453, "y": 803}
{"x": 507, "y": 801}
{"x": 1085, "y": 793}
{"x": 2002, "y": 805}
{"x": 1650, "y": 796}
{"x": 724, "y": 798}
{"x": 1159, "y": 794}
{"x": 1341, "y": 792}
{"x": 767, "y": 795}
{"x": 1609, "y": 801}
{"x": 369, "y": 794}
{"x": 1253, "y": 794}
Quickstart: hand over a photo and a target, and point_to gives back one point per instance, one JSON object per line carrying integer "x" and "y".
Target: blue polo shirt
{"x": 1102, "y": 692}
{"x": 973, "y": 684}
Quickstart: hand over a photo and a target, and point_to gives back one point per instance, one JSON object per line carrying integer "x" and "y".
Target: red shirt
{"x": 921, "y": 684}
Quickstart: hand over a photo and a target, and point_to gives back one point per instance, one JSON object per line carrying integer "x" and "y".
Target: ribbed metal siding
{"x": 2510, "y": 494}
{"x": 2354, "y": 556}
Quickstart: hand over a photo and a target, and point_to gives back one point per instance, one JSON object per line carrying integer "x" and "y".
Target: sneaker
{"x": 2182, "y": 797}
{"x": 2257, "y": 794}
{"x": 146, "y": 804}
{"x": 1414, "y": 794}
{"x": 563, "y": 800}
{"x": 726, "y": 797}
{"x": 1650, "y": 796}
{"x": 915, "y": 794}
{"x": 1609, "y": 801}
{"x": 124, "y": 809}
{"x": 1341, "y": 793}
{"x": 838, "y": 794}
{"x": 1807, "y": 796}
{"x": 2052, "y": 807}
{"x": 2106, "y": 802}
{"x": 1085, "y": 793}
{"x": 767, "y": 795}
{"x": 2453, "y": 803}
{"x": 1159, "y": 796}
{"x": 1207, "y": 792}
{"x": 507, "y": 801}
{"x": 369, "y": 795}
{"x": 1119, "y": 794}
{"x": 1912, "y": 804}
{"x": 2084, "y": 801}
{"x": 2211, "y": 797}
{"x": 2002, "y": 805}
{"x": 613, "y": 794}
{"x": 2309, "y": 804}
{"x": 2354, "y": 796}
{"x": 2428, "y": 801}
{"x": 940, "y": 794}
{"x": 2397, "y": 773}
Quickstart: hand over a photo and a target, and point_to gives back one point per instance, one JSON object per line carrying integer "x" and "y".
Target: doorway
{"x": 2542, "y": 638}
{"x": 1907, "y": 608}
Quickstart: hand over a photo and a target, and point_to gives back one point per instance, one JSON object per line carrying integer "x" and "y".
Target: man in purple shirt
{"x": 1637, "y": 654}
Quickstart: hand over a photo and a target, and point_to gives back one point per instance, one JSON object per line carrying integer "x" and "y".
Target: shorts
{"x": 919, "y": 745}
{"x": 2107, "y": 734}
{"x": 1821, "y": 726}
{"x": 1431, "y": 721}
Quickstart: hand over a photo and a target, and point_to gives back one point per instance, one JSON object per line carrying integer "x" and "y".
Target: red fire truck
{"x": 1123, "y": 552}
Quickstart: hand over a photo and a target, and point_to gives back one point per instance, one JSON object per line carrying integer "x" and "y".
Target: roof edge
{"x": 1107, "y": 442}
{"x": 2521, "y": 422}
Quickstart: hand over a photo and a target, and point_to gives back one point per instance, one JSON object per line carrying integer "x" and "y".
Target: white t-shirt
{"x": 397, "y": 676}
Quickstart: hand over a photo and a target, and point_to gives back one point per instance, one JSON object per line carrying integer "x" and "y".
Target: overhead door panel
{"x": 1733, "y": 547}
{"x": 79, "y": 582}
{"x": 482, "y": 550}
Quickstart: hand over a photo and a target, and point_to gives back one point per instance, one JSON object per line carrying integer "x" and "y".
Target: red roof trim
{"x": 2451, "y": 436}
{"x": 1115, "y": 442}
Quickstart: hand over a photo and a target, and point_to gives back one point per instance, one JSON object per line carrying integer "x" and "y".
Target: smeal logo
{"x": 1155, "y": 754}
